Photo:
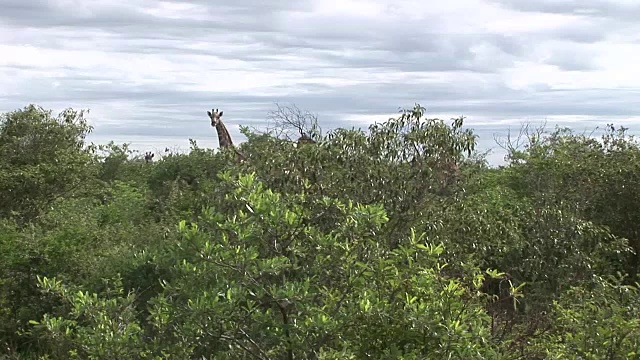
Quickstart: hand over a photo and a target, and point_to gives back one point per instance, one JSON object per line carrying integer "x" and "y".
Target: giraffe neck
{"x": 224, "y": 139}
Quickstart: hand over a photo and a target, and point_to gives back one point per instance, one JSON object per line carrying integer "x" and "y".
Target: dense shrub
{"x": 395, "y": 242}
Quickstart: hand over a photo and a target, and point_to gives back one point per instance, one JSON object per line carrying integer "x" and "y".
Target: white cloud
{"x": 149, "y": 70}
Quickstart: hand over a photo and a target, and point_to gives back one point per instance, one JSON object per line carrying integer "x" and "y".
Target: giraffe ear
{"x": 209, "y": 113}
{"x": 220, "y": 113}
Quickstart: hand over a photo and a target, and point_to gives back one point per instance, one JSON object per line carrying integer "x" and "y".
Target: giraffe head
{"x": 305, "y": 139}
{"x": 215, "y": 117}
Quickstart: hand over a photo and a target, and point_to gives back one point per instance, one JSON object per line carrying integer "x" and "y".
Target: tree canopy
{"x": 398, "y": 241}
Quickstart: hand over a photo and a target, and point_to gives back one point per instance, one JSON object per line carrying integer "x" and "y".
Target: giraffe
{"x": 148, "y": 157}
{"x": 305, "y": 139}
{"x": 224, "y": 138}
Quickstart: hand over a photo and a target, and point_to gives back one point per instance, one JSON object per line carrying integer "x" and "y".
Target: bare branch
{"x": 526, "y": 135}
{"x": 290, "y": 122}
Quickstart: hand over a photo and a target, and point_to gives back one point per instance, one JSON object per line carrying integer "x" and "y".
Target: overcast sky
{"x": 149, "y": 70}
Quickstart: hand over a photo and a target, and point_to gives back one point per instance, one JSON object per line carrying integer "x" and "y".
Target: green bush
{"x": 396, "y": 242}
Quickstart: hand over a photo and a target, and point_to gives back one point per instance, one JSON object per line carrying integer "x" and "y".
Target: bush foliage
{"x": 395, "y": 242}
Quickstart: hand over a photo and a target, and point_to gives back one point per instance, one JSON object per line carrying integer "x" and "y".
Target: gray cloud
{"x": 571, "y": 60}
{"x": 129, "y": 17}
{"x": 154, "y": 72}
{"x": 620, "y": 10}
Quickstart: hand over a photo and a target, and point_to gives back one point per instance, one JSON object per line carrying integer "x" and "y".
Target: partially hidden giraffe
{"x": 148, "y": 156}
{"x": 224, "y": 138}
{"x": 305, "y": 139}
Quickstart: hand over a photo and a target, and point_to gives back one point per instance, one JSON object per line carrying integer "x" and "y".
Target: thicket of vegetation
{"x": 396, "y": 242}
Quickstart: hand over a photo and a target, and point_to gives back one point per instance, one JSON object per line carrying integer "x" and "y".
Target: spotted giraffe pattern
{"x": 224, "y": 138}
